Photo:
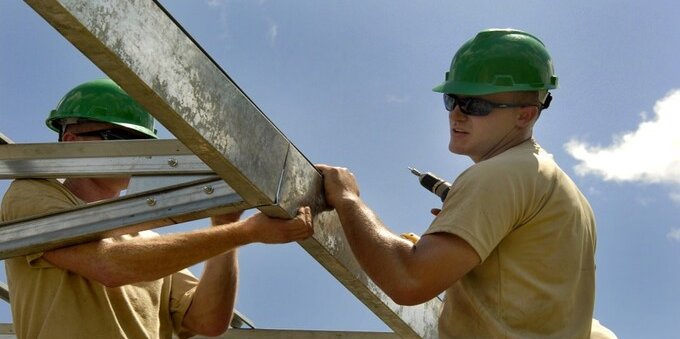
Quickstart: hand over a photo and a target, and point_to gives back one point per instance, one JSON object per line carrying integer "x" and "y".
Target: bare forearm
{"x": 115, "y": 263}
{"x": 213, "y": 301}
{"x": 408, "y": 274}
{"x": 383, "y": 255}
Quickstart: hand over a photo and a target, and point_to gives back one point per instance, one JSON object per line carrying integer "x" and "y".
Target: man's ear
{"x": 68, "y": 136}
{"x": 527, "y": 116}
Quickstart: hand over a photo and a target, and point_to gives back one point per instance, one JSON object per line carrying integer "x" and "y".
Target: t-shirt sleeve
{"x": 183, "y": 287}
{"x": 481, "y": 208}
{"x": 32, "y": 197}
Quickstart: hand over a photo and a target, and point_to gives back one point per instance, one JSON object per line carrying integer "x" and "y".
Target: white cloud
{"x": 650, "y": 154}
{"x": 675, "y": 196}
{"x": 396, "y": 99}
{"x": 273, "y": 31}
{"x": 674, "y": 234}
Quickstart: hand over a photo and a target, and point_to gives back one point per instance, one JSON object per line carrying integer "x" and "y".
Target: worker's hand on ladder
{"x": 269, "y": 230}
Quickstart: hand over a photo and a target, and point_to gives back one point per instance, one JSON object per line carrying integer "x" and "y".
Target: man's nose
{"x": 456, "y": 114}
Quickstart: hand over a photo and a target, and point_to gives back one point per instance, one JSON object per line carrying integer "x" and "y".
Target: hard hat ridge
{"x": 101, "y": 100}
{"x": 499, "y": 60}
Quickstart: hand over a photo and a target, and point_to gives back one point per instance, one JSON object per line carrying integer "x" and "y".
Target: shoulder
{"x": 22, "y": 187}
{"x": 525, "y": 162}
{"x": 28, "y": 197}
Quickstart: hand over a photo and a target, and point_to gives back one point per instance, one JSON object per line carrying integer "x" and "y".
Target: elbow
{"x": 407, "y": 298}
{"x": 111, "y": 282}
{"x": 408, "y": 293}
{"x": 213, "y": 331}
{"x": 209, "y": 328}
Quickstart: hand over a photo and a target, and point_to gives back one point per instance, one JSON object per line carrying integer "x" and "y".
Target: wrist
{"x": 347, "y": 201}
{"x": 249, "y": 229}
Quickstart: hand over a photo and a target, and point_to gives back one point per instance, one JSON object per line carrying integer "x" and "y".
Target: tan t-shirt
{"x": 535, "y": 234}
{"x": 49, "y": 302}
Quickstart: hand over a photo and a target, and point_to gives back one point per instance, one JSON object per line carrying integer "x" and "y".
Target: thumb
{"x": 435, "y": 211}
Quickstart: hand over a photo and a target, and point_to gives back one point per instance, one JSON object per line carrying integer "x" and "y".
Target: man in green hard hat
{"x": 131, "y": 285}
{"x": 513, "y": 245}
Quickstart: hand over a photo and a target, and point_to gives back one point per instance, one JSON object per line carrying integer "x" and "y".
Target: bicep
{"x": 439, "y": 260}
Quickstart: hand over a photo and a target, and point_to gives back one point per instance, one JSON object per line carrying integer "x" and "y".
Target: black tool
{"x": 432, "y": 183}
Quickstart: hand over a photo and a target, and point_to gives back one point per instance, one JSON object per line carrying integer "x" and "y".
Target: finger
{"x": 322, "y": 167}
{"x": 310, "y": 219}
{"x": 305, "y": 227}
{"x": 298, "y": 234}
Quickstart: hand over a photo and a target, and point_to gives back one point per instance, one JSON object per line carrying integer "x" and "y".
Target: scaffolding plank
{"x": 141, "y": 48}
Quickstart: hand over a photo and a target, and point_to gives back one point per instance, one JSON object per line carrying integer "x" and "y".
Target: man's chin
{"x": 455, "y": 150}
{"x": 119, "y": 182}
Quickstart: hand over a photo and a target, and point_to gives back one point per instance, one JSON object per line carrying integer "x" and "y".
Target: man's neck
{"x": 91, "y": 189}
{"x": 506, "y": 143}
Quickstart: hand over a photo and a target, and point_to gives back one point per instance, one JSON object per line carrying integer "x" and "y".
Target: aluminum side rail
{"x": 120, "y": 216}
{"x": 4, "y": 139}
{"x": 4, "y": 292}
{"x": 99, "y": 159}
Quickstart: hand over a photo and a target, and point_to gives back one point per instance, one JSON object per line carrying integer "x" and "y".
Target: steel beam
{"x": 99, "y": 159}
{"x": 91, "y": 149}
{"x": 4, "y": 139}
{"x": 144, "y": 50}
{"x": 330, "y": 248}
{"x": 102, "y": 167}
{"x": 4, "y": 292}
{"x": 121, "y": 216}
{"x": 301, "y": 334}
{"x": 7, "y": 332}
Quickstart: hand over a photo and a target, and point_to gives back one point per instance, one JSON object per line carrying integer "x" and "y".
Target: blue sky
{"x": 350, "y": 83}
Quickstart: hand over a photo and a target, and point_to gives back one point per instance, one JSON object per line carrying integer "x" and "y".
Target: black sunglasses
{"x": 112, "y": 134}
{"x": 474, "y": 106}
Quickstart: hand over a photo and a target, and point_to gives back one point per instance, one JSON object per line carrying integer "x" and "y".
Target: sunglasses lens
{"x": 478, "y": 107}
{"x": 469, "y": 106}
{"x": 111, "y": 134}
{"x": 115, "y": 135}
{"x": 119, "y": 134}
{"x": 475, "y": 106}
{"x": 449, "y": 102}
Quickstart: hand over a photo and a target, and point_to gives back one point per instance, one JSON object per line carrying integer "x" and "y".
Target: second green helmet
{"x": 499, "y": 60}
{"x": 102, "y": 100}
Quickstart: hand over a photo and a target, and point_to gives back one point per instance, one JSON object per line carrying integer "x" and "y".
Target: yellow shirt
{"x": 535, "y": 234}
{"x": 49, "y": 302}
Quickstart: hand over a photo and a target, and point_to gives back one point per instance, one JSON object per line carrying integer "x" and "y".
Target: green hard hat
{"x": 499, "y": 60}
{"x": 102, "y": 100}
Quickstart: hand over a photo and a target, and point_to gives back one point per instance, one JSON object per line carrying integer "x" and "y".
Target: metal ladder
{"x": 229, "y": 156}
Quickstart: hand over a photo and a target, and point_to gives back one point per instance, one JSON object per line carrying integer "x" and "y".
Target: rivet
{"x": 151, "y": 201}
{"x": 172, "y": 162}
{"x": 208, "y": 189}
